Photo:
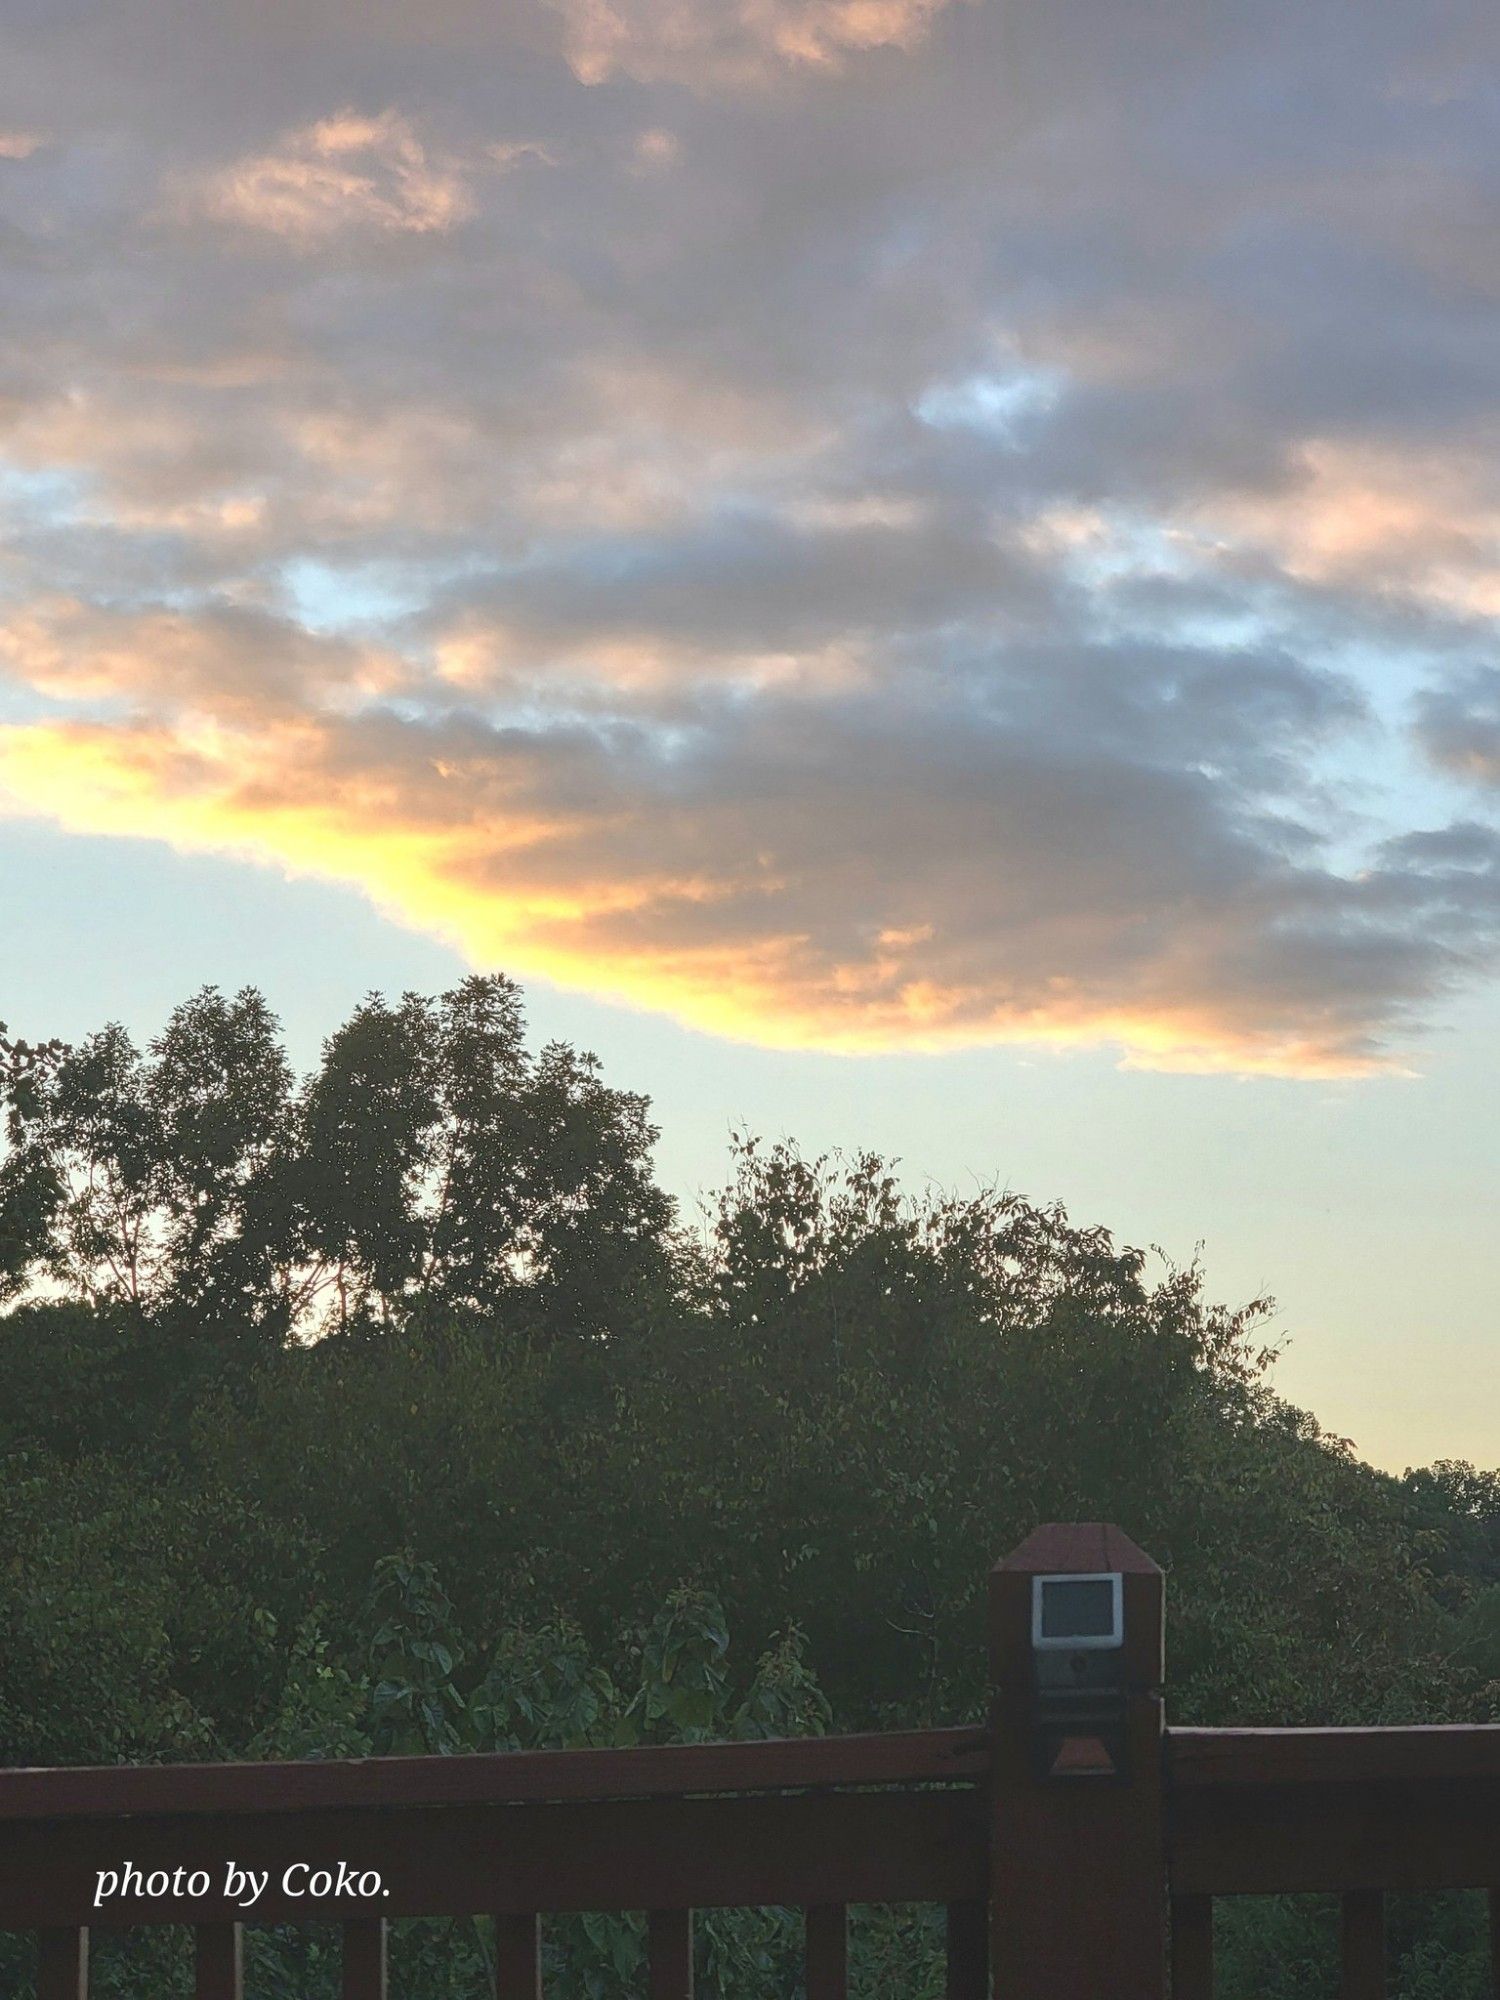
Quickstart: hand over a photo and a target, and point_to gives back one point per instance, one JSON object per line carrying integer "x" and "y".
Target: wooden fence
{"x": 1077, "y": 1846}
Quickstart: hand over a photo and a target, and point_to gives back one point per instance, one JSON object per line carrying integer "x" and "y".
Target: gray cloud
{"x": 859, "y": 520}
{"x": 1458, "y": 725}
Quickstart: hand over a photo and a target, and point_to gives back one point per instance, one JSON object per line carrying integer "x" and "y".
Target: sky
{"x": 923, "y": 572}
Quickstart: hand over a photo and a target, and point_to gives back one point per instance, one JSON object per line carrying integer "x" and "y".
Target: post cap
{"x": 1082, "y": 1547}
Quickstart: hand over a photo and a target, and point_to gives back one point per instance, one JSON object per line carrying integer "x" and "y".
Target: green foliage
{"x": 323, "y": 1706}
{"x": 87, "y": 1671}
{"x": 1286, "y": 1947}
{"x": 140, "y": 1613}
{"x": 388, "y": 1410}
{"x": 544, "y": 1691}
{"x": 415, "y": 1707}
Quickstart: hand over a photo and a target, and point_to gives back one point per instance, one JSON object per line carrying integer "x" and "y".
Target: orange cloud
{"x": 224, "y": 661}
{"x": 348, "y": 172}
{"x": 519, "y": 856}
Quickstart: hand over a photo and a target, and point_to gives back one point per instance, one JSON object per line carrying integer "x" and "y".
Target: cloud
{"x": 347, "y": 173}
{"x": 20, "y": 145}
{"x": 1421, "y": 524}
{"x": 223, "y": 660}
{"x": 846, "y": 871}
{"x": 1458, "y": 725}
{"x": 857, "y": 523}
{"x": 718, "y": 41}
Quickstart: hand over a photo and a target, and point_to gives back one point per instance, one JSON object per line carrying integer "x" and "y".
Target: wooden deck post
{"x": 1078, "y": 1907}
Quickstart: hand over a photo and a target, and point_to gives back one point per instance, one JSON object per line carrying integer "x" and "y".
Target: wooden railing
{"x": 1057, "y": 1887}
{"x": 1352, "y": 1812}
{"x": 817, "y": 1822}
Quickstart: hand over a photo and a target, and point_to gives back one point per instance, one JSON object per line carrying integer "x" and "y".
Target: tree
{"x": 430, "y": 1164}
{"x": 130, "y": 1181}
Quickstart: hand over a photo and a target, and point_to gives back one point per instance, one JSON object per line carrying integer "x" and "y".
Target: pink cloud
{"x": 347, "y": 172}
{"x": 725, "y": 41}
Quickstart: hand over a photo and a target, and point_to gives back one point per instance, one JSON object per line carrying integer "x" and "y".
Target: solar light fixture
{"x": 1077, "y": 1641}
{"x": 1073, "y": 1614}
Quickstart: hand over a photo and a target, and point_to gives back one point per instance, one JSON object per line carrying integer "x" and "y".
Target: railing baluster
{"x": 364, "y": 1959}
{"x": 62, "y": 1965}
{"x": 1363, "y": 1927}
{"x": 827, "y": 1952}
{"x": 518, "y": 1958}
{"x": 1192, "y": 1947}
{"x": 968, "y": 1951}
{"x": 670, "y": 1944}
{"x": 220, "y": 1963}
